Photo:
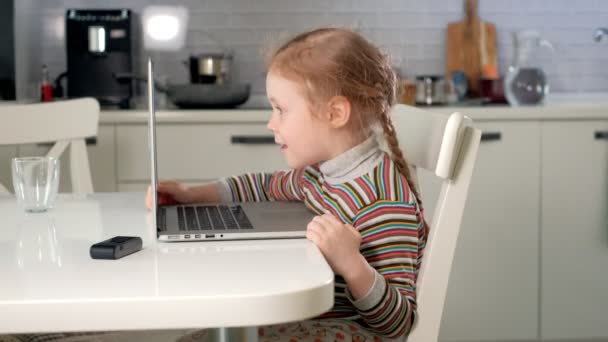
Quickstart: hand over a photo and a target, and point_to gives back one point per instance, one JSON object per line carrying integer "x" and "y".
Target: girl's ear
{"x": 339, "y": 111}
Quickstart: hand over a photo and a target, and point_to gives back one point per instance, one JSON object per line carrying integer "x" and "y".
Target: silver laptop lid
{"x": 152, "y": 140}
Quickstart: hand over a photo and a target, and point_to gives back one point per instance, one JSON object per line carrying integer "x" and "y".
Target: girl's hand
{"x": 338, "y": 242}
{"x": 169, "y": 193}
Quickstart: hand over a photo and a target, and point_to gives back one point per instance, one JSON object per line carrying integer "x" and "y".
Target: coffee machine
{"x": 99, "y": 46}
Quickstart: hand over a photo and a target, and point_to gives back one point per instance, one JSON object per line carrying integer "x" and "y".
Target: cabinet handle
{"x": 88, "y": 141}
{"x": 252, "y": 139}
{"x": 599, "y": 135}
{"x": 491, "y": 136}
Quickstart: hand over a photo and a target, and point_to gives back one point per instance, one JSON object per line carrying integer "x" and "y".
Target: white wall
{"x": 411, "y": 30}
{"x": 28, "y": 46}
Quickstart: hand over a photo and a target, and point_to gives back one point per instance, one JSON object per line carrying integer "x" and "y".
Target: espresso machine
{"x": 99, "y": 46}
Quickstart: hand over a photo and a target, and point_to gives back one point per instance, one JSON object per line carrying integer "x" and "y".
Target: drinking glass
{"x": 36, "y": 181}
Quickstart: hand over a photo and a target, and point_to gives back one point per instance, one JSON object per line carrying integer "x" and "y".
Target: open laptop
{"x": 220, "y": 221}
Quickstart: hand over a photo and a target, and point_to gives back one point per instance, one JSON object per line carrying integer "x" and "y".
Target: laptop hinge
{"x": 161, "y": 220}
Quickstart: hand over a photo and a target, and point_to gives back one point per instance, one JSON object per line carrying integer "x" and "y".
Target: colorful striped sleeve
{"x": 285, "y": 185}
{"x": 391, "y": 232}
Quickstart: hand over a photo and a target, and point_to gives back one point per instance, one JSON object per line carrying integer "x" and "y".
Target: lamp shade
{"x": 164, "y": 27}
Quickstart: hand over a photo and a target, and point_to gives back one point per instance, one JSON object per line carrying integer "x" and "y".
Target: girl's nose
{"x": 270, "y": 125}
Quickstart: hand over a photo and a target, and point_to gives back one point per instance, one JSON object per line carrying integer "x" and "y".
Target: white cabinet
{"x": 196, "y": 153}
{"x": 102, "y": 161}
{"x": 493, "y": 289}
{"x": 142, "y": 186}
{"x": 574, "y": 231}
{"x": 133, "y": 187}
{"x": 6, "y": 154}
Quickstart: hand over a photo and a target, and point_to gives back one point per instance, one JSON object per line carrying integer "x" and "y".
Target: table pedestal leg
{"x": 244, "y": 334}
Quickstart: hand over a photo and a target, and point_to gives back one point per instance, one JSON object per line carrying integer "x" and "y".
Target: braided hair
{"x": 340, "y": 62}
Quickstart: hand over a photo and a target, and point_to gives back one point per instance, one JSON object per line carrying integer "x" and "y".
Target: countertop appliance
{"x": 7, "y": 51}
{"x": 99, "y": 45}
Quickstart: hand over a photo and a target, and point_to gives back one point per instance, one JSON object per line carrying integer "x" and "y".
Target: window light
{"x": 164, "y": 27}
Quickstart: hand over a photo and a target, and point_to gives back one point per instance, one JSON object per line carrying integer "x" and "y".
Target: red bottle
{"x": 46, "y": 89}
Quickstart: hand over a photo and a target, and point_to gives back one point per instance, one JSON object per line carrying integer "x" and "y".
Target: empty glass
{"x": 36, "y": 180}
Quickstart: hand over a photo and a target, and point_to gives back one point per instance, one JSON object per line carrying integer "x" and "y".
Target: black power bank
{"x": 116, "y": 247}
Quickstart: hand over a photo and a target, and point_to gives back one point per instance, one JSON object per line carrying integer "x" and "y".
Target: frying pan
{"x": 198, "y": 95}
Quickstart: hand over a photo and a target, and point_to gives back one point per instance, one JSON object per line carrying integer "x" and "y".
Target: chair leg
{"x": 79, "y": 168}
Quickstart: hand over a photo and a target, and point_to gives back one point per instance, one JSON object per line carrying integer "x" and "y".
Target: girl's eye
{"x": 279, "y": 110}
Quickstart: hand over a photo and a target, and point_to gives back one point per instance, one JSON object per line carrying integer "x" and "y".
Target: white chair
{"x": 445, "y": 145}
{"x": 63, "y": 122}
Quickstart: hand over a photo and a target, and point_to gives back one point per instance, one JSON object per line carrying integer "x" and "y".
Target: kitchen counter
{"x": 585, "y": 106}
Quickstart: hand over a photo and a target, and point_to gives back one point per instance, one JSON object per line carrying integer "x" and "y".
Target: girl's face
{"x": 303, "y": 137}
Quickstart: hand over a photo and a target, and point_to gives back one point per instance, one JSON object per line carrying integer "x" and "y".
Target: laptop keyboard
{"x": 212, "y": 217}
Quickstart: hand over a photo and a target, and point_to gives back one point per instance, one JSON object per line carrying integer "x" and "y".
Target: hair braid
{"x": 340, "y": 62}
{"x": 397, "y": 155}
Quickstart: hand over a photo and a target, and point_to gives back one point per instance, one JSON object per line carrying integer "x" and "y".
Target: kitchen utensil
{"x": 525, "y": 81}
{"x": 210, "y": 68}
{"x": 430, "y": 90}
{"x": 492, "y": 90}
{"x": 471, "y": 47}
{"x": 46, "y": 89}
{"x": 198, "y": 95}
{"x": 208, "y": 95}
{"x": 599, "y": 33}
{"x": 459, "y": 79}
{"x": 407, "y": 92}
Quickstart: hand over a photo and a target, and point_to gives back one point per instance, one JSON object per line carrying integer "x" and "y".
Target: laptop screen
{"x": 152, "y": 140}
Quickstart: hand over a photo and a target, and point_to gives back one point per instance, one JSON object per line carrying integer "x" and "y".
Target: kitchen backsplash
{"x": 412, "y": 31}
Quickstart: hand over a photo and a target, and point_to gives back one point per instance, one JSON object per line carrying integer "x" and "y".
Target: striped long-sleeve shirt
{"x": 361, "y": 187}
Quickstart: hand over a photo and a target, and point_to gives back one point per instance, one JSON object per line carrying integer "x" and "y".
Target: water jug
{"x": 525, "y": 80}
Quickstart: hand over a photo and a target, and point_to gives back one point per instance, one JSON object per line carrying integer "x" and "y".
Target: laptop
{"x": 220, "y": 221}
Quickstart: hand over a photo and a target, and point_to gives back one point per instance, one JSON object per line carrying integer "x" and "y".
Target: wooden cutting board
{"x": 471, "y": 47}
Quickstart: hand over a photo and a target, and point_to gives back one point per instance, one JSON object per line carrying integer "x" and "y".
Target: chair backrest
{"x": 63, "y": 122}
{"x": 447, "y": 146}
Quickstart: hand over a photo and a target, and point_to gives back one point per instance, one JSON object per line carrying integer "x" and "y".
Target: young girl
{"x": 331, "y": 93}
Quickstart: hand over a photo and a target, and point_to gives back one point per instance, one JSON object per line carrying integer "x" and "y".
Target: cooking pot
{"x": 210, "y": 68}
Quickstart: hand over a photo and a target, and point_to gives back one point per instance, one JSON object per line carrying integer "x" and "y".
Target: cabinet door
{"x": 197, "y": 152}
{"x": 574, "y": 231}
{"x": 6, "y": 154}
{"x": 143, "y": 186}
{"x": 102, "y": 160}
{"x": 493, "y": 289}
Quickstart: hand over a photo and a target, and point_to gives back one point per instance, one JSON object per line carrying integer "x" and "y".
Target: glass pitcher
{"x": 525, "y": 80}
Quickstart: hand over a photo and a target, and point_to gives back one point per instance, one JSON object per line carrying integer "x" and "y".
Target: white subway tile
{"x": 412, "y": 32}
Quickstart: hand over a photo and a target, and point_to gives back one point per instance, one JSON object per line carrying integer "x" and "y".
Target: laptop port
{"x": 209, "y": 236}
{"x": 187, "y": 236}
{"x": 197, "y": 236}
